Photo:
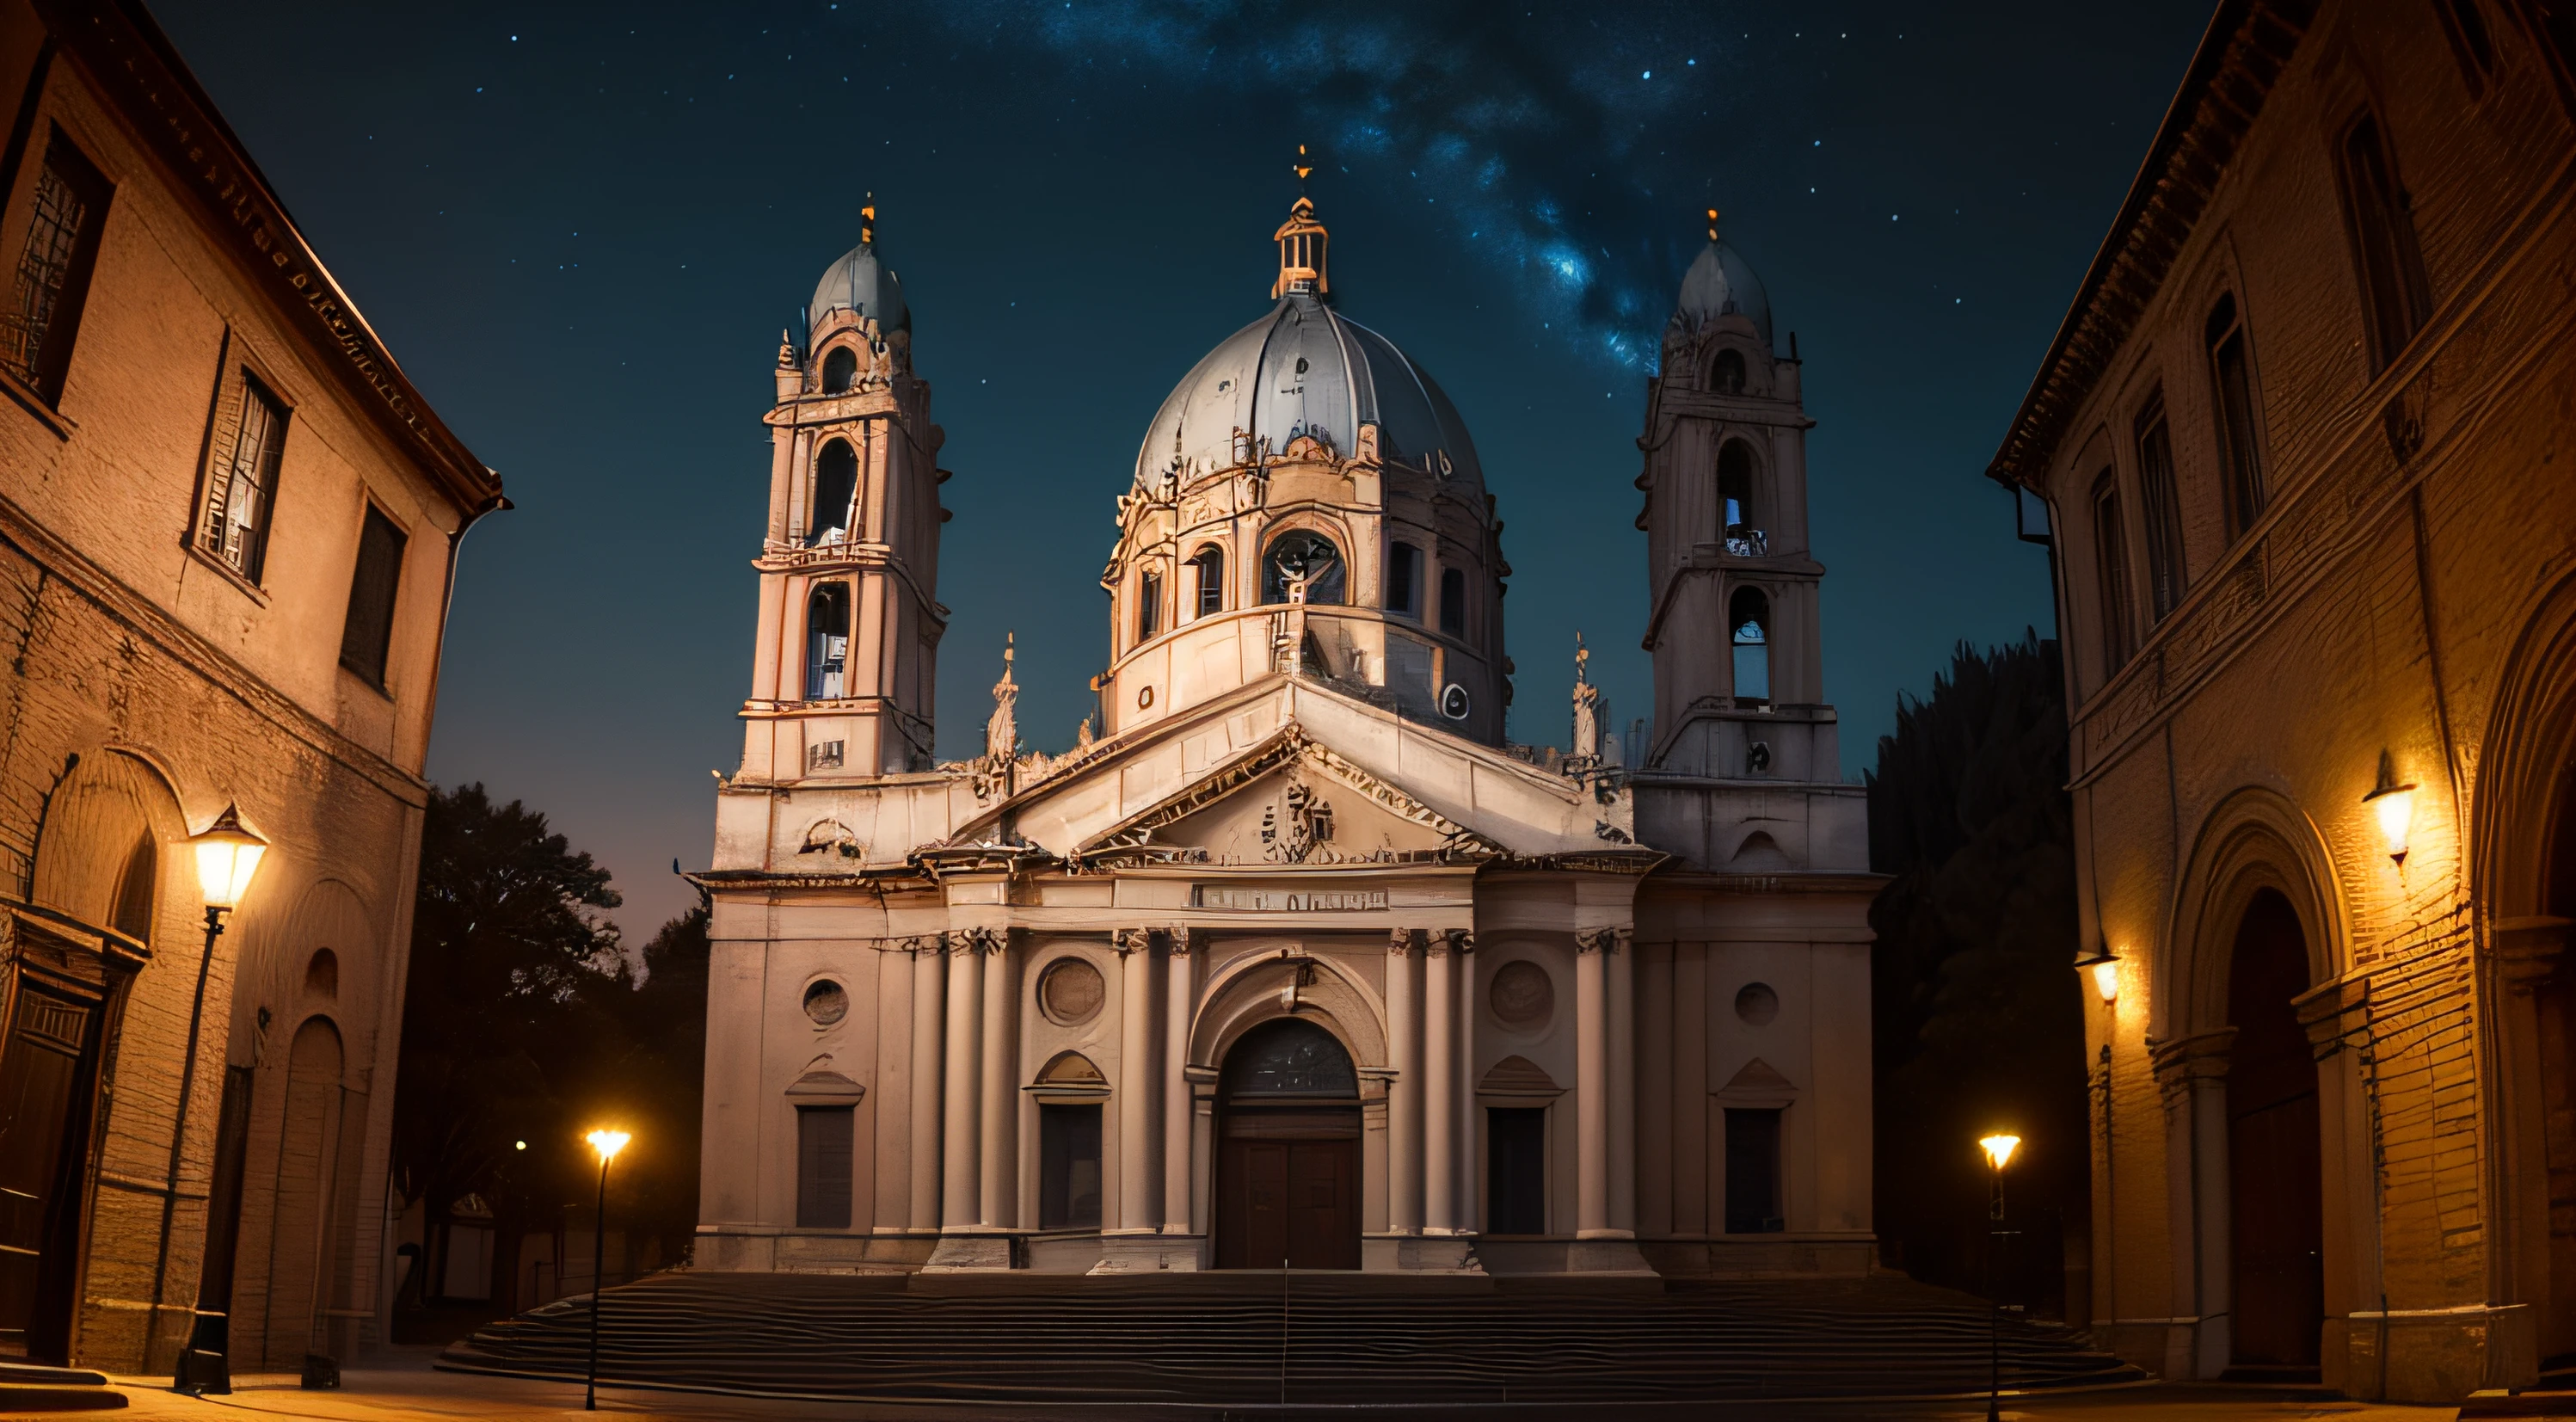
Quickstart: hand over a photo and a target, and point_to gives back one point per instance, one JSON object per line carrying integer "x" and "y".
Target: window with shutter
{"x": 243, "y": 485}
{"x": 366, "y": 638}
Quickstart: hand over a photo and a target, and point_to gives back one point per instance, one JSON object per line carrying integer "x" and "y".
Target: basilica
{"x": 1297, "y": 962}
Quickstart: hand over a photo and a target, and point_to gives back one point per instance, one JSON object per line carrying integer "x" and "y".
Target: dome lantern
{"x": 1301, "y": 243}
{"x": 859, "y": 282}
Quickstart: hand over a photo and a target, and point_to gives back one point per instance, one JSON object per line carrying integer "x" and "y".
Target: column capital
{"x": 1449, "y": 940}
{"x": 1613, "y": 939}
{"x": 2181, "y": 1061}
{"x": 977, "y": 940}
{"x": 916, "y": 944}
{"x": 2527, "y": 950}
{"x": 1131, "y": 940}
{"x": 2332, "y": 1012}
{"x": 1399, "y": 941}
{"x": 1178, "y": 942}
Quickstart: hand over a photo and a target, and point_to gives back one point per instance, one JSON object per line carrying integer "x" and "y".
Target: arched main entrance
{"x": 2275, "y": 1192}
{"x": 1288, "y": 1155}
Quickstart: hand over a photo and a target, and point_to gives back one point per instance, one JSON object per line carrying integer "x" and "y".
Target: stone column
{"x": 1135, "y": 1092}
{"x": 929, "y": 981}
{"x": 1591, "y": 1086}
{"x": 999, "y": 1198}
{"x": 1462, "y": 1085}
{"x": 1622, "y": 1045}
{"x": 1180, "y": 998}
{"x": 1439, "y": 1089}
{"x": 1404, "y": 1093}
{"x": 960, "y": 1140}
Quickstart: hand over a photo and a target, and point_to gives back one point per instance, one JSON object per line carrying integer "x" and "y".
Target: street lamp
{"x": 608, "y": 1144}
{"x": 2103, "y": 967}
{"x": 227, "y": 858}
{"x": 1999, "y": 1150}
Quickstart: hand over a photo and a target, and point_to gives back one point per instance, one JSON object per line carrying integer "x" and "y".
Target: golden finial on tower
{"x": 1712, "y": 224}
{"x": 1301, "y": 240}
{"x": 1302, "y": 167}
{"x": 868, "y": 221}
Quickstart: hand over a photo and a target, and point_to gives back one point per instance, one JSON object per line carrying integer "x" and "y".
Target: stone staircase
{"x": 33, "y": 1387}
{"x": 1217, "y": 1338}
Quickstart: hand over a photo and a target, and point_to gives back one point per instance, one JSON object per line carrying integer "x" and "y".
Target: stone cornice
{"x": 136, "y": 71}
{"x": 2247, "y": 45}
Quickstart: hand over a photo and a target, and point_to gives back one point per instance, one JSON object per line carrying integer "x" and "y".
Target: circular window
{"x": 1144, "y": 697}
{"x": 1757, "y": 1004}
{"x": 1070, "y": 991}
{"x": 826, "y": 1002}
{"x": 1453, "y": 702}
{"x": 1523, "y": 995}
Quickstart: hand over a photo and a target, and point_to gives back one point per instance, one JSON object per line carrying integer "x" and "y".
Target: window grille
{"x": 37, "y": 328}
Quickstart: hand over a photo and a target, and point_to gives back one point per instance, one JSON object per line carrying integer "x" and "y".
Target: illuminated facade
{"x": 1297, "y": 961}
{"x": 2300, "y": 445}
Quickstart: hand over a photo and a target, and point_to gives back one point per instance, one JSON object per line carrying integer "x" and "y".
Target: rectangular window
{"x": 1516, "y": 1170}
{"x": 1453, "y": 601}
{"x": 823, "y": 1139}
{"x": 2163, "y": 510}
{"x": 1404, "y": 580}
{"x": 43, "y": 316}
{"x": 1069, "y": 1166}
{"x": 2111, "y": 564}
{"x": 1149, "y": 606}
{"x": 367, "y": 636}
{"x": 2240, "y": 451}
{"x": 2395, "y": 299}
{"x": 243, "y": 484}
{"x": 1753, "y": 1172}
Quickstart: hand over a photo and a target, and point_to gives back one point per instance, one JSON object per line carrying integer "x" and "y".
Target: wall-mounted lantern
{"x": 2103, "y": 967}
{"x": 2394, "y": 804}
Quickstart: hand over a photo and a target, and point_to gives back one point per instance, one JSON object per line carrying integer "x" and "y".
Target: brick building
{"x": 227, "y": 530}
{"x": 2304, "y": 443}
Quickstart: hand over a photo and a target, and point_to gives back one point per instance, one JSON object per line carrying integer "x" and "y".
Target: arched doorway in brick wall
{"x": 2275, "y": 1193}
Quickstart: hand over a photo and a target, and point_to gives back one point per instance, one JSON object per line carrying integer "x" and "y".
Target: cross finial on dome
{"x": 868, "y": 221}
{"x": 1301, "y": 167}
{"x": 1712, "y": 224}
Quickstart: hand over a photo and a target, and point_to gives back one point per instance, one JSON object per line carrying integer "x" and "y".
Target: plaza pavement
{"x": 403, "y": 1388}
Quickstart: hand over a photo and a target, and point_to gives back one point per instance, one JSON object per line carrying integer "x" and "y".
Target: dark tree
{"x": 1978, "y": 1012}
{"x": 507, "y": 942}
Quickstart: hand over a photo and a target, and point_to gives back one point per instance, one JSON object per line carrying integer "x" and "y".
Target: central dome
{"x": 1305, "y": 369}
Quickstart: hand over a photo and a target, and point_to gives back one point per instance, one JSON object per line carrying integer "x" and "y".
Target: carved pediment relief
{"x": 1290, "y": 801}
{"x": 1757, "y": 1083}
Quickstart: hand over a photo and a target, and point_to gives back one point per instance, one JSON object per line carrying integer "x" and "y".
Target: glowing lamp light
{"x": 607, "y": 1143}
{"x": 2394, "y": 805}
{"x": 227, "y": 856}
{"x": 1999, "y": 1150}
{"x": 2106, "y": 980}
{"x": 518, "y": 1145}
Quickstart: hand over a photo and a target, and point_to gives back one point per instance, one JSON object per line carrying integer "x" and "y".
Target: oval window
{"x": 1071, "y": 991}
{"x": 1757, "y": 1004}
{"x": 826, "y": 1002}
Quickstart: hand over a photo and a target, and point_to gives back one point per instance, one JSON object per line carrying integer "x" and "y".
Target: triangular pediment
{"x": 1290, "y": 800}
{"x": 1759, "y": 1078}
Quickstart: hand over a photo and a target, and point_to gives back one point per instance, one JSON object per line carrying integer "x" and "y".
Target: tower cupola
{"x": 1301, "y": 240}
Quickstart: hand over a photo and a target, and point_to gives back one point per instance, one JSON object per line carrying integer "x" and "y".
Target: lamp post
{"x": 608, "y": 1144}
{"x": 227, "y": 858}
{"x": 1999, "y": 1152}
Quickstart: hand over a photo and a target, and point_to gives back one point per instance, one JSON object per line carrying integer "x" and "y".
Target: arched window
{"x": 1727, "y": 376}
{"x": 1302, "y": 554}
{"x": 836, "y": 488}
{"x": 1149, "y": 606}
{"x": 1210, "y": 565}
{"x": 827, "y": 640}
{"x": 1292, "y": 1057}
{"x": 2239, "y": 450}
{"x": 135, "y": 884}
{"x": 1453, "y": 601}
{"x": 1739, "y": 526}
{"x": 840, "y": 370}
{"x": 1749, "y": 614}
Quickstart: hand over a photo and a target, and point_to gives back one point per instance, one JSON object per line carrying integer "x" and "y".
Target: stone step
{"x": 1218, "y": 1338}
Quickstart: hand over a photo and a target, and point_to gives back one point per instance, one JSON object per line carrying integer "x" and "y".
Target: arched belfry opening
{"x": 1288, "y": 1160}
{"x": 836, "y": 492}
{"x": 1739, "y": 520}
{"x": 1748, "y": 616}
{"x": 827, "y": 641}
{"x": 1726, "y": 376}
{"x": 2275, "y": 1185}
{"x": 840, "y": 370}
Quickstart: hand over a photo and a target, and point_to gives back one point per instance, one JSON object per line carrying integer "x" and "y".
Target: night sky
{"x": 581, "y": 230}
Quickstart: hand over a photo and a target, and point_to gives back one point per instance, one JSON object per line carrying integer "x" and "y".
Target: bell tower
{"x": 849, "y": 567}
{"x": 1739, "y": 689}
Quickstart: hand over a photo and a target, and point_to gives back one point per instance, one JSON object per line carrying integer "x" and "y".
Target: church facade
{"x": 1297, "y": 962}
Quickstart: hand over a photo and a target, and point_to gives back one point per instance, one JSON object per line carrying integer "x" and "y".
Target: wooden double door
{"x": 1288, "y": 1189}
{"x": 49, "y": 1058}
